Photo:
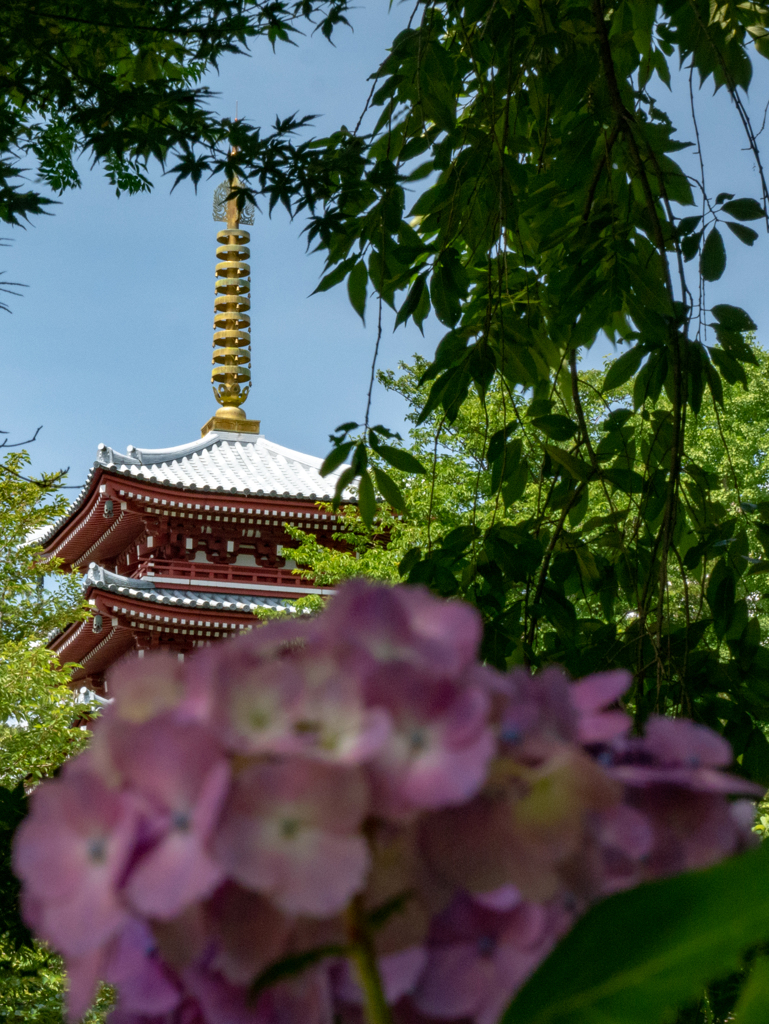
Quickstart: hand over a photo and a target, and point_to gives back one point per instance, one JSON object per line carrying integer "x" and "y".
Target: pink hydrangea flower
{"x": 399, "y": 973}
{"x": 146, "y": 985}
{"x": 71, "y": 853}
{"x": 142, "y": 688}
{"x": 180, "y": 771}
{"x": 249, "y": 933}
{"x": 477, "y": 959}
{"x": 305, "y": 704}
{"x": 592, "y": 696}
{"x": 440, "y": 748}
{"x": 529, "y": 824}
{"x": 405, "y": 626}
{"x": 256, "y": 805}
{"x": 290, "y": 831}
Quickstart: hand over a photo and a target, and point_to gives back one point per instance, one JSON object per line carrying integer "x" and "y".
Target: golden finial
{"x": 231, "y": 373}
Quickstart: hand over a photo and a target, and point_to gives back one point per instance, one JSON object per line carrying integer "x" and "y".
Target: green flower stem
{"x": 362, "y": 954}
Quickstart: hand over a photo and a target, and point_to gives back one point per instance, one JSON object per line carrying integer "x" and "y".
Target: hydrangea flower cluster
{"x": 322, "y": 813}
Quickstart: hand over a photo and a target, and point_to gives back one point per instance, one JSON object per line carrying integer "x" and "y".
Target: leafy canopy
{"x": 119, "y": 82}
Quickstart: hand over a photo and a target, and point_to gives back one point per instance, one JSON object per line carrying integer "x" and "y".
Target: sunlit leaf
{"x": 640, "y": 955}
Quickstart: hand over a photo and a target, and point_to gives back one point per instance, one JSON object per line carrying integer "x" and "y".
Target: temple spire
{"x": 231, "y": 372}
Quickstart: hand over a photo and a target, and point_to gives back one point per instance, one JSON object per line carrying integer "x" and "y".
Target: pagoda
{"x": 182, "y": 546}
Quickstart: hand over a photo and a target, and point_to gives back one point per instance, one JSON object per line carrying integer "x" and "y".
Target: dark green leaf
{"x": 640, "y": 955}
{"x": 389, "y": 490}
{"x": 356, "y": 288}
{"x": 498, "y": 439}
{"x": 690, "y": 246}
{"x": 733, "y": 318}
{"x": 409, "y": 560}
{"x": 335, "y": 458}
{"x": 622, "y": 369}
{"x": 746, "y": 235}
{"x": 339, "y": 273}
{"x": 744, "y": 209}
{"x": 755, "y": 760}
{"x": 575, "y": 467}
{"x": 412, "y": 300}
{"x": 505, "y": 466}
{"x": 366, "y": 499}
{"x": 687, "y": 224}
{"x": 398, "y": 457}
{"x": 445, "y": 297}
{"x": 451, "y": 349}
{"x": 626, "y": 480}
{"x": 515, "y": 482}
{"x": 731, "y": 370}
{"x": 560, "y": 428}
{"x": 713, "y": 258}
{"x": 753, "y": 1004}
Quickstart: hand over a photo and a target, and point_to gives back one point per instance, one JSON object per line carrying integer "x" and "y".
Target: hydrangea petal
{"x": 290, "y": 832}
{"x": 71, "y": 852}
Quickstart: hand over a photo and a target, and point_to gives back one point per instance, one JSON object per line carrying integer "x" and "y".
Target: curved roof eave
{"x": 225, "y": 463}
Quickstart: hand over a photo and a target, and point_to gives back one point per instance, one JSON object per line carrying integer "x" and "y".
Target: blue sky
{"x": 112, "y": 339}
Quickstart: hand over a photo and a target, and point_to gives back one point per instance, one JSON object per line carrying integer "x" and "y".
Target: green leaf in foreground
{"x": 356, "y": 288}
{"x": 366, "y": 499}
{"x": 641, "y": 954}
{"x": 389, "y": 489}
{"x": 753, "y": 1005}
{"x": 713, "y": 258}
{"x": 335, "y": 458}
{"x": 623, "y": 368}
{"x": 746, "y": 235}
{"x": 744, "y": 209}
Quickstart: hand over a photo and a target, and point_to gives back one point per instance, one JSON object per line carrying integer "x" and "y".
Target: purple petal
{"x": 145, "y": 687}
{"x": 455, "y": 982}
{"x": 83, "y": 976}
{"x": 626, "y": 829}
{"x": 290, "y": 831}
{"x": 71, "y": 852}
{"x": 250, "y": 933}
{"x": 593, "y": 693}
{"x": 603, "y": 727}
{"x": 677, "y": 741}
{"x": 144, "y": 984}
{"x": 698, "y": 780}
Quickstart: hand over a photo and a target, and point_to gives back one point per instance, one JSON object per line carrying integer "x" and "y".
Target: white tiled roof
{"x": 144, "y": 590}
{"x": 220, "y": 462}
{"x": 228, "y": 462}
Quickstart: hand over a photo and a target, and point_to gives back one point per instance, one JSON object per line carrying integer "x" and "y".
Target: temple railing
{"x": 201, "y": 572}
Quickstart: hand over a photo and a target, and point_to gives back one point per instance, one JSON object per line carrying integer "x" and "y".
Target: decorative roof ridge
{"x": 111, "y": 582}
{"x": 153, "y": 456}
{"x": 98, "y": 576}
{"x": 150, "y": 456}
{"x": 141, "y": 462}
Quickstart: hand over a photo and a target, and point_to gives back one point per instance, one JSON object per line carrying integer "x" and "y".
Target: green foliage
{"x": 636, "y": 957}
{"x": 27, "y": 609}
{"x": 13, "y": 807}
{"x": 521, "y": 184}
{"x": 120, "y": 82}
{"x": 41, "y": 719}
{"x": 591, "y": 527}
{"x": 38, "y": 711}
{"x": 32, "y": 984}
{"x": 754, "y": 999}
